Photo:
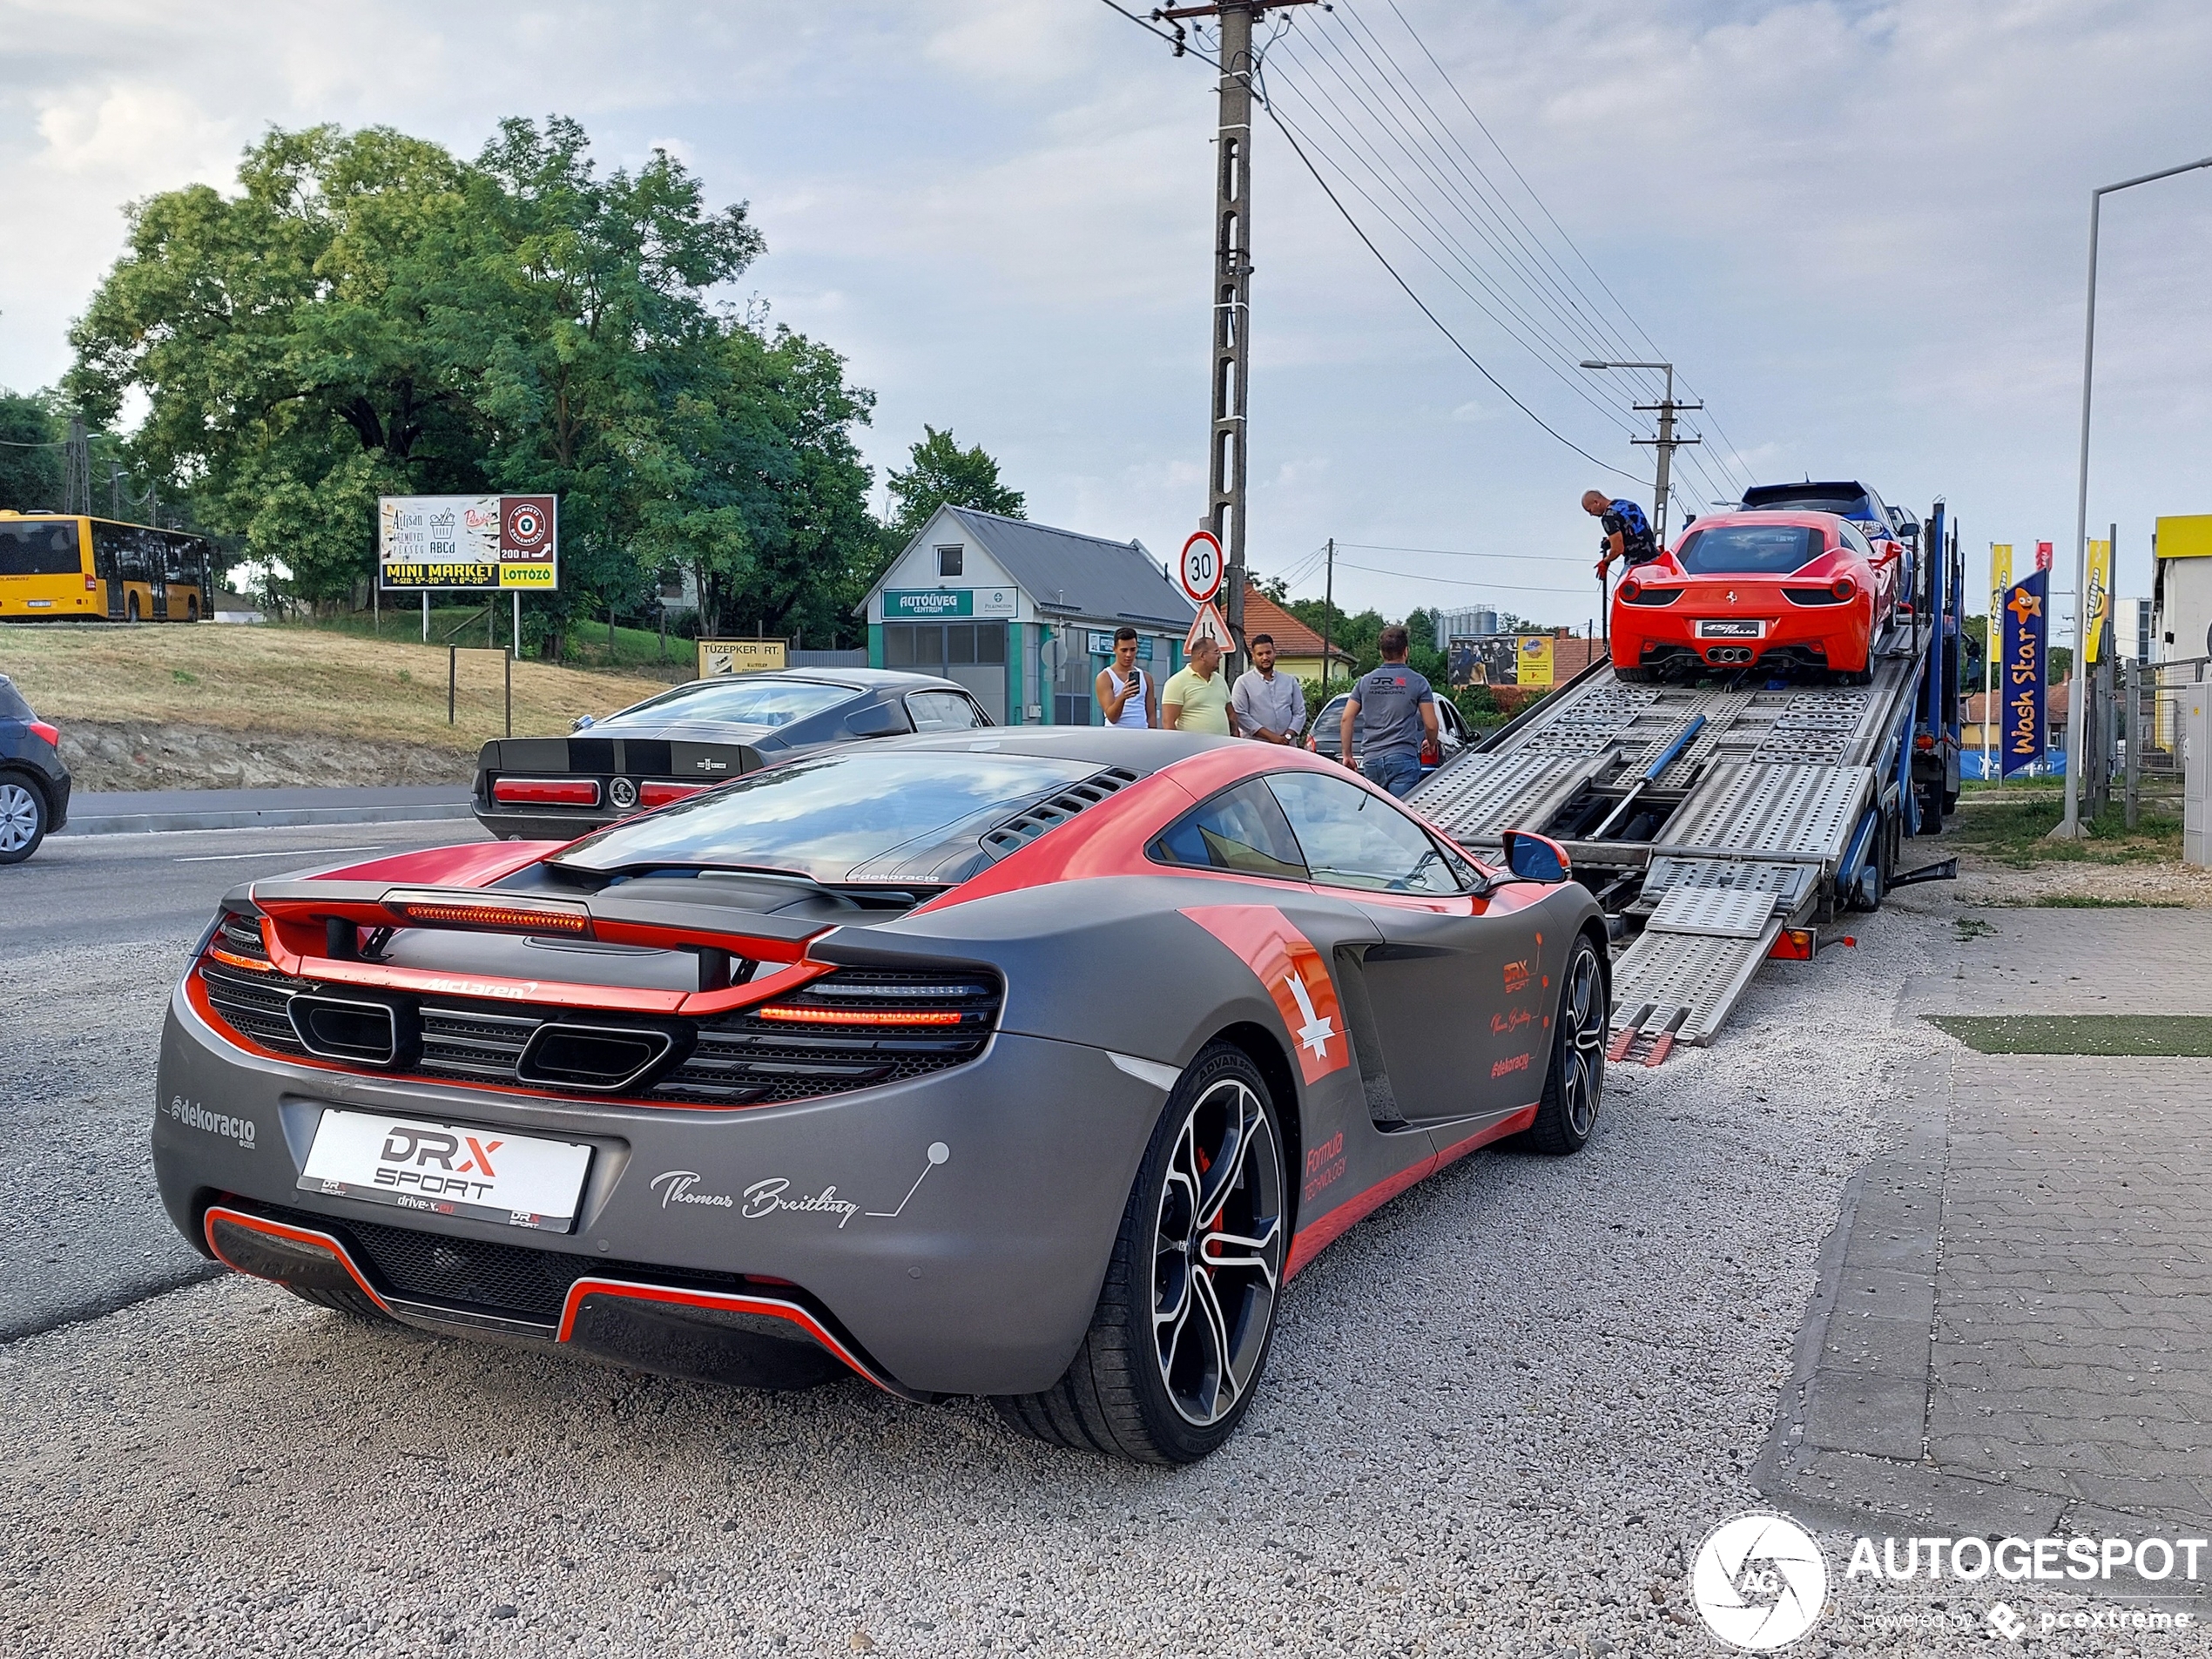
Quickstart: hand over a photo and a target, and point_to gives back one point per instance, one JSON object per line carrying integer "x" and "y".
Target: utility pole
{"x": 1232, "y": 272}
{"x": 1666, "y": 443}
{"x": 77, "y": 477}
{"x": 1328, "y": 616}
{"x": 114, "y": 489}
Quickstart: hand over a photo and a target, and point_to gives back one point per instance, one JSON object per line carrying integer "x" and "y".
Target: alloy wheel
{"x": 1582, "y": 1012}
{"x": 1216, "y": 1252}
{"x": 18, "y": 818}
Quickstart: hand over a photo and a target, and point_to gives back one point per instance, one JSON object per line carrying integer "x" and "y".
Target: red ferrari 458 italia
{"x": 1776, "y": 589}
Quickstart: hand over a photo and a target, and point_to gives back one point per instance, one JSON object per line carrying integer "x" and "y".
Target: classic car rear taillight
{"x": 545, "y": 792}
{"x": 661, "y": 795}
{"x": 1843, "y": 587}
{"x": 40, "y": 729}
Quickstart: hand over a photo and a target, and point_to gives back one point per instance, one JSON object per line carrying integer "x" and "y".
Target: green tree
{"x": 940, "y": 471}
{"x": 30, "y": 470}
{"x": 300, "y": 345}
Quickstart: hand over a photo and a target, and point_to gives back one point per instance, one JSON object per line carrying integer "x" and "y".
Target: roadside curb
{"x": 260, "y": 817}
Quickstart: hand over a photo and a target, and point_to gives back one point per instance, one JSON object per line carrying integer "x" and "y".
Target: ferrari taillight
{"x": 1630, "y": 588}
{"x": 1843, "y": 587}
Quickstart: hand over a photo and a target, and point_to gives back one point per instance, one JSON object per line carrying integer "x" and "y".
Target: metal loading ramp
{"x": 1752, "y": 796}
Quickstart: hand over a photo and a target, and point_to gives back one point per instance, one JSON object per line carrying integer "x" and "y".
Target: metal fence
{"x": 2145, "y": 742}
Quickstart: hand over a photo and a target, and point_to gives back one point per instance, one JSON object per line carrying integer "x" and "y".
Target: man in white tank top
{"x": 1126, "y": 695}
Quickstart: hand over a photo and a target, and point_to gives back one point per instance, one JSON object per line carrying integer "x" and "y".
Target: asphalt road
{"x": 93, "y": 933}
{"x": 1500, "y": 1415}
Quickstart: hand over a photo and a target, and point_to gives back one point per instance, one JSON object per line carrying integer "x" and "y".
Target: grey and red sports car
{"x": 1031, "y": 1064}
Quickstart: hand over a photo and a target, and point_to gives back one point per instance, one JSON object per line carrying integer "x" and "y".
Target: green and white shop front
{"x": 1020, "y": 614}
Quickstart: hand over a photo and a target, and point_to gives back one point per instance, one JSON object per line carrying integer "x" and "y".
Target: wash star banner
{"x": 2021, "y": 670}
{"x": 2100, "y": 598}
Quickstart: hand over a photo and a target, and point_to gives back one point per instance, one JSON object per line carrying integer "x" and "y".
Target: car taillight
{"x": 91, "y": 585}
{"x": 661, "y": 795}
{"x": 545, "y": 792}
{"x": 1843, "y": 587}
{"x": 40, "y": 729}
{"x": 1631, "y": 588}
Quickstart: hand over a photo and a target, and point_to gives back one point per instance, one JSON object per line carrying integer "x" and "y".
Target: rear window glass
{"x": 1241, "y": 829}
{"x": 1750, "y": 550}
{"x": 32, "y": 548}
{"x": 12, "y": 707}
{"x": 736, "y": 701}
{"x": 827, "y": 815}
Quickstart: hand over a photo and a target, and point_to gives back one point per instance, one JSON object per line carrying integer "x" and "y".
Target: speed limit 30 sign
{"x": 1199, "y": 569}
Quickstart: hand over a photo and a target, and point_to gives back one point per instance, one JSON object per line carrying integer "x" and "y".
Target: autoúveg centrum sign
{"x": 469, "y": 542}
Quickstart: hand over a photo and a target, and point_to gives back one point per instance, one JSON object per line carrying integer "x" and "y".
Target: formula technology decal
{"x": 1294, "y": 975}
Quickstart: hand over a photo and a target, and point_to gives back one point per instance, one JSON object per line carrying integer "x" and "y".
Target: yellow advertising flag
{"x": 2100, "y": 597}
{"x": 2000, "y": 571}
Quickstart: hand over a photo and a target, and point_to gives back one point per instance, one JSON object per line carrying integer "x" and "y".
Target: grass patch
{"x": 2012, "y": 831}
{"x": 1972, "y": 928}
{"x": 296, "y": 681}
{"x": 2151, "y": 1035}
{"x": 2091, "y": 901}
{"x": 633, "y": 651}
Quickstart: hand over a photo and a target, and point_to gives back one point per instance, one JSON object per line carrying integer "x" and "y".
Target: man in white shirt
{"x": 1270, "y": 707}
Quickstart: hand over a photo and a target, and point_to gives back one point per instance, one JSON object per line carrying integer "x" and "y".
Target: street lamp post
{"x": 2069, "y": 828}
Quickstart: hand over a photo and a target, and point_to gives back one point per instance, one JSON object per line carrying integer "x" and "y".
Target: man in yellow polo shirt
{"x": 1196, "y": 697}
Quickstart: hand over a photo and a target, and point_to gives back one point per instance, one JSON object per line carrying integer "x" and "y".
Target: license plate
{"x": 1731, "y": 631}
{"x": 447, "y": 1170}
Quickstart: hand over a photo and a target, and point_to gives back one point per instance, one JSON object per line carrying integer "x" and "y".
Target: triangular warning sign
{"x": 1207, "y": 624}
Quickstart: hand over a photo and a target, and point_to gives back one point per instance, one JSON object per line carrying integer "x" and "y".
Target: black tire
{"x": 1121, "y": 1395}
{"x": 1574, "y": 1082}
{"x": 348, "y": 1301}
{"x": 1866, "y": 896}
{"x": 131, "y": 607}
{"x": 22, "y": 816}
{"x": 1636, "y": 676}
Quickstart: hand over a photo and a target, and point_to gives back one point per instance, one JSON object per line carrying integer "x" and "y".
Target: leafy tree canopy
{"x": 370, "y": 315}
{"x": 939, "y": 471}
{"x": 31, "y": 471}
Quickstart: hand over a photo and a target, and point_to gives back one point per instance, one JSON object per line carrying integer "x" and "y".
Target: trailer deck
{"x": 1713, "y": 816}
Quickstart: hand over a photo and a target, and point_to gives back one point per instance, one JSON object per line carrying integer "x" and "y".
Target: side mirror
{"x": 1535, "y": 857}
{"x": 583, "y": 723}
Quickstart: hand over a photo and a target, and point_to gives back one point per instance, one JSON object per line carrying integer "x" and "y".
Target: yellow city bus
{"x": 57, "y": 566}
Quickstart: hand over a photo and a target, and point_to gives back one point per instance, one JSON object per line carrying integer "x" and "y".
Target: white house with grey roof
{"x": 1021, "y": 614}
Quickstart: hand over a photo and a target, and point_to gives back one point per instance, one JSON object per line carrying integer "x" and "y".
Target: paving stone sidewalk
{"x": 2014, "y": 1319}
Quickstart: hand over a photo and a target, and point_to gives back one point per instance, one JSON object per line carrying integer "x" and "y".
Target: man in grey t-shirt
{"x": 1396, "y": 713}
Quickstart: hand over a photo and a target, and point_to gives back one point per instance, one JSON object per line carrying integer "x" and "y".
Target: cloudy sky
{"x": 1858, "y": 229}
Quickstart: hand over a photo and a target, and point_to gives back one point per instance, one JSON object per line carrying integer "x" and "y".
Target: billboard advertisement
{"x": 468, "y": 543}
{"x": 721, "y": 657}
{"x": 1501, "y": 659}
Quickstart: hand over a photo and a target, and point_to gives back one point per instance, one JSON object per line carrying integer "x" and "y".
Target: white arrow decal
{"x": 1317, "y": 1031}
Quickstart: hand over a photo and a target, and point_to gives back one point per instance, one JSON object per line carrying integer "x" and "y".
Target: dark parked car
{"x": 1322, "y": 735}
{"x": 696, "y": 736}
{"x": 34, "y": 784}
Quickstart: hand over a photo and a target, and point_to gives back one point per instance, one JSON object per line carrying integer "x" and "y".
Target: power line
{"x": 1454, "y": 582}
{"x": 1284, "y": 127}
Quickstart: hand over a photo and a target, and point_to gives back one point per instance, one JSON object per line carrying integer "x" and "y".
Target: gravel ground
{"x": 1500, "y": 1417}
